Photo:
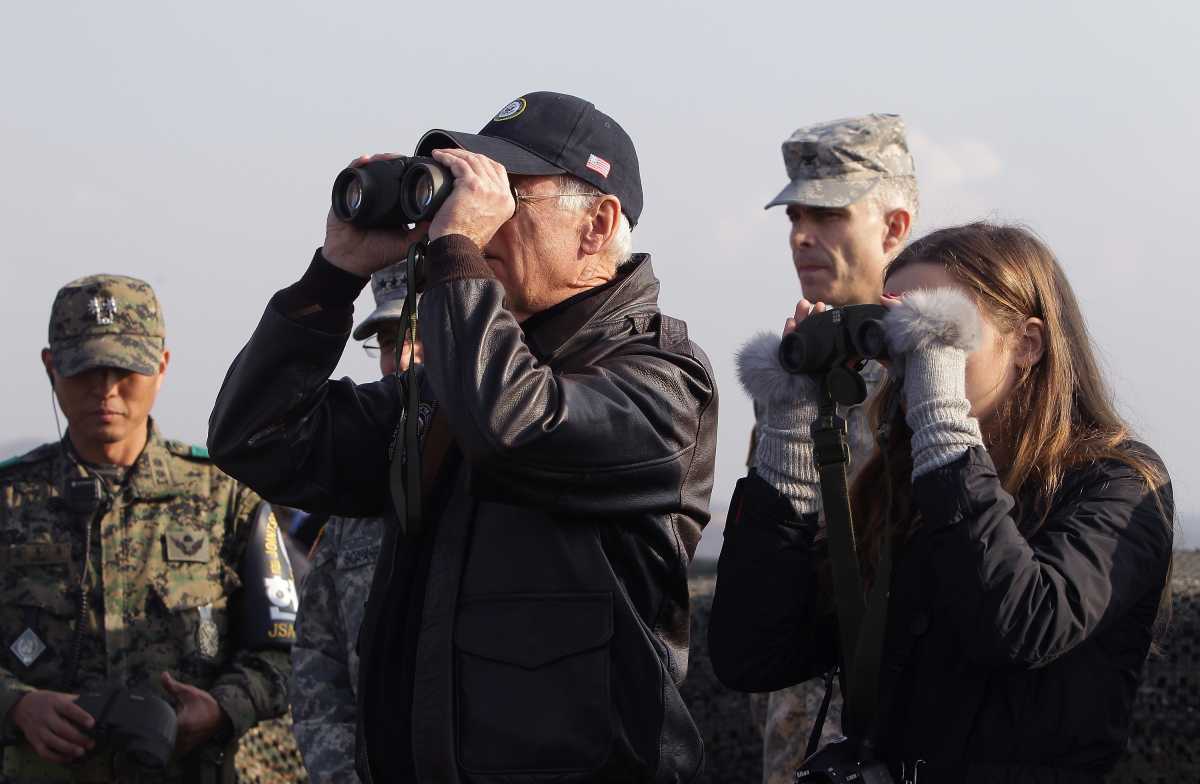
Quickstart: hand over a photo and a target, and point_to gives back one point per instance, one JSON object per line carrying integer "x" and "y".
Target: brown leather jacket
{"x": 540, "y": 626}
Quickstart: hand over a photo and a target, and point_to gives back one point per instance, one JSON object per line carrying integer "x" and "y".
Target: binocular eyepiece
{"x": 826, "y": 340}
{"x": 391, "y": 193}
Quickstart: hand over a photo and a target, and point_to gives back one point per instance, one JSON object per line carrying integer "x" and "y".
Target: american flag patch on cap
{"x": 598, "y": 165}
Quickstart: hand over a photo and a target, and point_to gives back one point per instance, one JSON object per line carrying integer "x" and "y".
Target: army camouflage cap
{"x": 390, "y": 287}
{"x": 106, "y": 321}
{"x": 835, "y": 164}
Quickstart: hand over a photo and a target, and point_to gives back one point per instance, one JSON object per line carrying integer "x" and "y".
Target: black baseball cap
{"x": 554, "y": 133}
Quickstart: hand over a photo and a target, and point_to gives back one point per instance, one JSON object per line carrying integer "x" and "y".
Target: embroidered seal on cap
{"x": 510, "y": 111}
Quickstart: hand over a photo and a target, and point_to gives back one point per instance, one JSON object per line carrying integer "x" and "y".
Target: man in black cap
{"x": 531, "y": 623}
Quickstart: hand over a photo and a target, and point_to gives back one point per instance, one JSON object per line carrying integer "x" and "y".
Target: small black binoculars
{"x": 832, "y": 338}
{"x": 392, "y": 193}
{"x": 141, "y": 726}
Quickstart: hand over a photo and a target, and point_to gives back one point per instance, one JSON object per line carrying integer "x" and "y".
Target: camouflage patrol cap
{"x": 835, "y": 164}
{"x": 106, "y": 321}
{"x": 390, "y": 287}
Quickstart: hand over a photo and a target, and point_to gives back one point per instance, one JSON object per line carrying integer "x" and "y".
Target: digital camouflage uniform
{"x": 832, "y": 164}
{"x": 324, "y": 658}
{"x": 333, "y": 597}
{"x": 166, "y": 541}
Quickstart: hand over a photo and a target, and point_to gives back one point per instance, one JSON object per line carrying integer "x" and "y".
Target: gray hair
{"x": 895, "y": 193}
{"x": 581, "y": 196}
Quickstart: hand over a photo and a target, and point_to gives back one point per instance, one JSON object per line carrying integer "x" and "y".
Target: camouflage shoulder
{"x": 190, "y": 451}
{"x": 38, "y": 455}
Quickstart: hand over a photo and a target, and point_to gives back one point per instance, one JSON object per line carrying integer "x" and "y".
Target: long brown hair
{"x": 1060, "y": 412}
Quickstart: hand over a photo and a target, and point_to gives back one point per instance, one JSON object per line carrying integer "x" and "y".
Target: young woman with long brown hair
{"x": 1030, "y": 534}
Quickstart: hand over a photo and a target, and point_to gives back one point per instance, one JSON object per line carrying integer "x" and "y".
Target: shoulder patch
{"x": 43, "y": 452}
{"x": 187, "y": 450}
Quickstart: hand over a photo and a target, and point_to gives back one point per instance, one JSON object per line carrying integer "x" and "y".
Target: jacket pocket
{"x": 533, "y": 682}
{"x": 194, "y": 617}
{"x": 38, "y": 613}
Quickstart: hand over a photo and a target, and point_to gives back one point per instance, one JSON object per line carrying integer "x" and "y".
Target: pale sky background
{"x": 193, "y": 145}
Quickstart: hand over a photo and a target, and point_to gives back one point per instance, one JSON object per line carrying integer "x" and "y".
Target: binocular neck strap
{"x": 405, "y": 470}
{"x": 832, "y": 455}
{"x": 861, "y": 623}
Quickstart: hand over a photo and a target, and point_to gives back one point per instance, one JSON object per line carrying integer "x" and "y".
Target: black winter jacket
{"x": 539, "y": 629}
{"x": 1005, "y": 659}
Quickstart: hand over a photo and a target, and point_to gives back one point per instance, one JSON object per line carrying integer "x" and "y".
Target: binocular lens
{"x": 426, "y": 185}
{"x": 353, "y": 196}
{"x": 872, "y": 340}
{"x": 423, "y": 191}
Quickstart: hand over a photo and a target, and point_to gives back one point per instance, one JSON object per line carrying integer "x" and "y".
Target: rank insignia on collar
{"x": 28, "y": 647}
{"x": 105, "y": 310}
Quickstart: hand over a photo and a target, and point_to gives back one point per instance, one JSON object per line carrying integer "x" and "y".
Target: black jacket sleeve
{"x": 1104, "y": 546}
{"x": 772, "y": 622}
{"x": 281, "y": 427}
{"x": 619, "y": 434}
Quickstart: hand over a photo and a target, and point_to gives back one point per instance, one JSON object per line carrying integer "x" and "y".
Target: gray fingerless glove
{"x": 931, "y": 332}
{"x": 787, "y": 408}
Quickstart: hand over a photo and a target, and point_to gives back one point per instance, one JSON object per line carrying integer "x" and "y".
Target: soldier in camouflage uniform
{"x": 851, "y": 201}
{"x": 334, "y": 594}
{"x": 119, "y": 561}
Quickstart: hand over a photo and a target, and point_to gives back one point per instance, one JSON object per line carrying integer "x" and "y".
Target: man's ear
{"x": 162, "y": 368}
{"x": 897, "y": 224}
{"x": 48, "y": 363}
{"x": 601, "y": 226}
{"x": 1030, "y": 343}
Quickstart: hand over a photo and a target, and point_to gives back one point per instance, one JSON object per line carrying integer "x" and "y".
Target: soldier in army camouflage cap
{"x": 122, "y": 557}
{"x": 106, "y": 321}
{"x": 389, "y": 286}
{"x": 835, "y": 164}
{"x": 851, "y": 201}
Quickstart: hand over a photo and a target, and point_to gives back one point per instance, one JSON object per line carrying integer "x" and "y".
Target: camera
{"x": 827, "y": 340}
{"x": 838, "y": 762}
{"x": 141, "y": 726}
{"x": 391, "y": 193}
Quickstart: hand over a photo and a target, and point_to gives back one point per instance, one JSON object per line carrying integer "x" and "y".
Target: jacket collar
{"x": 150, "y": 475}
{"x": 632, "y": 293}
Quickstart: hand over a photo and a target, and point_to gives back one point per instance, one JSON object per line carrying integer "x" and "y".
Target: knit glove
{"x": 787, "y": 407}
{"x": 929, "y": 336}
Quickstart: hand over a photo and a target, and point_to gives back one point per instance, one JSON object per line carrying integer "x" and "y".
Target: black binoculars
{"x": 141, "y": 726}
{"x": 832, "y": 345}
{"x": 391, "y": 193}
{"x": 827, "y": 340}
